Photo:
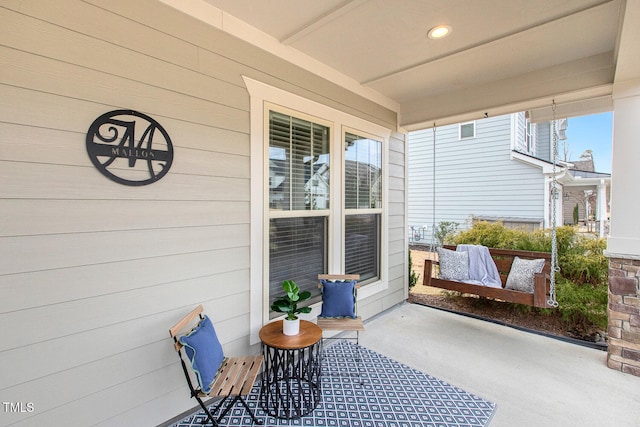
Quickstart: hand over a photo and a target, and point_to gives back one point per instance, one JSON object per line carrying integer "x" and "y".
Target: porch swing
{"x": 523, "y": 277}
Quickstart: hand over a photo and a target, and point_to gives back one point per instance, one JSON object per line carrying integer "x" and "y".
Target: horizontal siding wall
{"x": 544, "y": 141}
{"x": 93, "y": 273}
{"x": 474, "y": 177}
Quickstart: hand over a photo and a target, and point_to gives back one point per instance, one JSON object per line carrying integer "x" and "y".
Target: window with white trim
{"x": 299, "y": 200}
{"x": 529, "y": 135}
{"x": 299, "y": 219}
{"x": 363, "y": 206}
{"x": 467, "y": 130}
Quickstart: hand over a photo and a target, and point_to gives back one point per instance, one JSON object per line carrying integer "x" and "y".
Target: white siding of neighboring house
{"x": 93, "y": 273}
{"x": 474, "y": 177}
{"x": 544, "y": 147}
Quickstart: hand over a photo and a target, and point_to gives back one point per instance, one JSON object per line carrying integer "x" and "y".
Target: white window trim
{"x": 515, "y": 120}
{"x": 460, "y": 137}
{"x": 261, "y": 96}
{"x": 364, "y": 291}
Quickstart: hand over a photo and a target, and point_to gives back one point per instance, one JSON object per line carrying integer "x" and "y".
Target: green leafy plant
{"x": 288, "y": 303}
{"x": 576, "y": 214}
{"x": 413, "y": 277}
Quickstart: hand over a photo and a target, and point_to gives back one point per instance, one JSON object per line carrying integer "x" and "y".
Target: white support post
{"x": 601, "y": 206}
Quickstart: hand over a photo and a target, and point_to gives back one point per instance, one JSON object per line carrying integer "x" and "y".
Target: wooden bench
{"x": 503, "y": 259}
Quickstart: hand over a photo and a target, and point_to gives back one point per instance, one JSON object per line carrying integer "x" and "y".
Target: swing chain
{"x": 555, "y": 267}
{"x": 433, "y": 198}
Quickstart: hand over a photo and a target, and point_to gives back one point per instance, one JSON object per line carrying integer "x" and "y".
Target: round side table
{"x": 290, "y": 385}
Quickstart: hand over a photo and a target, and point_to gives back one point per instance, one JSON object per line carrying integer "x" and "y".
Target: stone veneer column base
{"x": 624, "y": 315}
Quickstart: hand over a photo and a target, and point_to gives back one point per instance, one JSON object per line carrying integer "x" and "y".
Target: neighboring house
{"x": 589, "y": 191}
{"x": 495, "y": 169}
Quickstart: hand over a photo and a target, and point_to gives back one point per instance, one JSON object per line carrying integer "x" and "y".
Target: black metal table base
{"x": 291, "y": 381}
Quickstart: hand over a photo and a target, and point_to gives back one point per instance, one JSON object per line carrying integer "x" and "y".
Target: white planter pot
{"x": 291, "y": 327}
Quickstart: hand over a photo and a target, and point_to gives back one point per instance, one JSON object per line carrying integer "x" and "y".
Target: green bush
{"x": 413, "y": 277}
{"x": 582, "y": 305}
{"x": 584, "y": 261}
{"x": 490, "y": 234}
{"x": 583, "y": 280}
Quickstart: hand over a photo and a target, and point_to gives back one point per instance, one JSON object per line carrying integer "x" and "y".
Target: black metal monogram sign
{"x": 129, "y": 147}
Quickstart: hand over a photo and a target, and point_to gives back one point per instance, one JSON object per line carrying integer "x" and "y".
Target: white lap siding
{"x": 474, "y": 177}
{"x": 92, "y": 272}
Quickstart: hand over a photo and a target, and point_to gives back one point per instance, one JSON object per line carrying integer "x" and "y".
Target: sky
{"x": 593, "y": 133}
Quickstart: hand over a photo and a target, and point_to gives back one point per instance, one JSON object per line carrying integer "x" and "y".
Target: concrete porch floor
{"x": 534, "y": 380}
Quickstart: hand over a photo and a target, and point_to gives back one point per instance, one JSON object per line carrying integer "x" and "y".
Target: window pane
{"x": 362, "y": 245}
{"x": 297, "y": 251}
{"x": 467, "y": 130}
{"x": 363, "y": 173}
{"x": 298, "y": 164}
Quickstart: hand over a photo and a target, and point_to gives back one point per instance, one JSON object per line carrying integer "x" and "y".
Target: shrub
{"x": 582, "y": 305}
{"x": 490, "y": 234}
{"x": 413, "y": 277}
{"x": 584, "y": 261}
{"x": 496, "y": 235}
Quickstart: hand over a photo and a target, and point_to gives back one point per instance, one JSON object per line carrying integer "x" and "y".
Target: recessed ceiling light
{"x": 439, "y": 32}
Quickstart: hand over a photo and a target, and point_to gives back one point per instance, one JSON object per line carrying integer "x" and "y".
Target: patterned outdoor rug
{"x": 381, "y": 393}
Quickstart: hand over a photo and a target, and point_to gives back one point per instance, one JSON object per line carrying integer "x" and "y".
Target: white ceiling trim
{"x": 221, "y": 20}
{"x": 494, "y": 43}
{"x": 572, "y": 109}
{"x": 541, "y": 103}
{"x": 322, "y": 21}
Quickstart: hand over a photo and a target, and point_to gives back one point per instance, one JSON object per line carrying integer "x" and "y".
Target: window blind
{"x": 298, "y": 252}
{"x": 298, "y": 164}
{"x": 362, "y": 245}
{"x": 363, "y": 193}
{"x": 362, "y": 173}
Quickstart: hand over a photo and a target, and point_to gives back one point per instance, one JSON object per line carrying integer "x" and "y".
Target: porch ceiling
{"x": 502, "y": 55}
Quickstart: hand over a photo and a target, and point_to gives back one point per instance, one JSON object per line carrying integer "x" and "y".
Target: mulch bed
{"x": 509, "y": 314}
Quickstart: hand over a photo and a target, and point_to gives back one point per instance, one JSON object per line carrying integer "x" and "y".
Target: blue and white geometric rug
{"x": 380, "y": 393}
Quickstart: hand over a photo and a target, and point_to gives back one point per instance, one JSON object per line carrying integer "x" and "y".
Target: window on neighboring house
{"x": 467, "y": 130}
{"x": 299, "y": 166}
{"x": 363, "y": 206}
{"x": 528, "y": 134}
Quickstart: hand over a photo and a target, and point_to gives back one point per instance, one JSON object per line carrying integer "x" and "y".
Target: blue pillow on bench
{"x": 338, "y": 298}
{"x": 204, "y": 351}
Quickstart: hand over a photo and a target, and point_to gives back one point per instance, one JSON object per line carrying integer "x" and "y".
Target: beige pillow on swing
{"x": 453, "y": 265}
{"x": 521, "y": 274}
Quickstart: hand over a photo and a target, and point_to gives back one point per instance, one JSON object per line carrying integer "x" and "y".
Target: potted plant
{"x": 288, "y": 304}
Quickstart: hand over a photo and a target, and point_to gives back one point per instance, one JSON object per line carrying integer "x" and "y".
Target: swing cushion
{"x": 204, "y": 351}
{"x": 453, "y": 265}
{"x": 521, "y": 274}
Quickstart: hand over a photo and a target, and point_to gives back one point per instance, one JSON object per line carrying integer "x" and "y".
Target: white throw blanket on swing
{"x": 482, "y": 268}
